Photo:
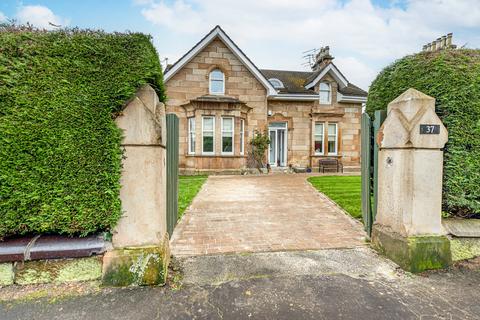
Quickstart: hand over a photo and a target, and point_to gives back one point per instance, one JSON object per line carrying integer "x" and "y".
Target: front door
{"x": 277, "y": 151}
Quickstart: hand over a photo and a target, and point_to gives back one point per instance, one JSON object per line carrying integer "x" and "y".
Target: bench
{"x": 329, "y": 164}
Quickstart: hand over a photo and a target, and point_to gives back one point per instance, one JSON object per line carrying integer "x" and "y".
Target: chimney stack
{"x": 322, "y": 58}
{"x": 442, "y": 43}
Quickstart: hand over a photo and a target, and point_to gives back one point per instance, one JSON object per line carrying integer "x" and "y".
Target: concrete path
{"x": 333, "y": 284}
{"x": 262, "y": 213}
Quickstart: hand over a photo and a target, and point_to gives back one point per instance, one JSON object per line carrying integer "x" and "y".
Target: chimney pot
{"x": 444, "y": 42}
{"x": 449, "y": 40}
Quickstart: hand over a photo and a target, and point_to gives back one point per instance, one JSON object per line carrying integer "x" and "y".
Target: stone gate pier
{"x": 408, "y": 226}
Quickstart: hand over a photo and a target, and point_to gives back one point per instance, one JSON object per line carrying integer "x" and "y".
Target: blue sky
{"x": 364, "y": 35}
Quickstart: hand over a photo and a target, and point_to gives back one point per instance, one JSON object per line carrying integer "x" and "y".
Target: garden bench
{"x": 329, "y": 164}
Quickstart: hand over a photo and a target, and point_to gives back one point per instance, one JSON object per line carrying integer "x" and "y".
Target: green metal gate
{"x": 172, "y": 172}
{"x": 369, "y": 163}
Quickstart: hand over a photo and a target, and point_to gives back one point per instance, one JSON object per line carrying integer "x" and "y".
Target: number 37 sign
{"x": 429, "y": 129}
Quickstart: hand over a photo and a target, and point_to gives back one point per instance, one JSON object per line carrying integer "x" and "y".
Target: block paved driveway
{"x": 277, "y": 212}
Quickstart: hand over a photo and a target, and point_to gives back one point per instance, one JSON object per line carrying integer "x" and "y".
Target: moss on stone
{"x": 65, "y": 270}
{"x": 135, "y": 266}
{"x": 80, "y": 270}
{"x": 6, "y": 274}
{"x": 414, "y": 254}
{"x": 465, "y": 248}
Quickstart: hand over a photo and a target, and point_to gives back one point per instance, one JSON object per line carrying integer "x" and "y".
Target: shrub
{"x": 259, "y": 143}
{"x": 452, "y": 77}
{"x": 60, "y": 156}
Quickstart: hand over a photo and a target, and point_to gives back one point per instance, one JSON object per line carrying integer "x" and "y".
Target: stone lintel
{"x": 414, "y": 254}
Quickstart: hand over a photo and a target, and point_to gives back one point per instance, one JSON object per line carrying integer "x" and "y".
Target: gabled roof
{"x": 214, "y": 33}
{"x": 297, "y": 85}
{"x": 319, "y": 74}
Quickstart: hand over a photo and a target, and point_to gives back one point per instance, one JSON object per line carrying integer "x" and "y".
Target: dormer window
{"x": 277, "y": 84}
{"x": 217, "y": 82}
{"x": 325, "y": 93}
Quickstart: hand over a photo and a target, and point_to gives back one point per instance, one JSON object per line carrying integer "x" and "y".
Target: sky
{"x": 364, "y": 35}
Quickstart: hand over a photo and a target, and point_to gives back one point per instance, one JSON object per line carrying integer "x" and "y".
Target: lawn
{"x": 188, "y": 187}
{"x": 344, "y": 190}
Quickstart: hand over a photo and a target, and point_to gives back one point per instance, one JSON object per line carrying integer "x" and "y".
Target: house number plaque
{"x": 429, "y": 129}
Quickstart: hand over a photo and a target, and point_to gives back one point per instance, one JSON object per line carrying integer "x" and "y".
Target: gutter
{"x": 350, "y": 99}
{"x": 51, "y": 247}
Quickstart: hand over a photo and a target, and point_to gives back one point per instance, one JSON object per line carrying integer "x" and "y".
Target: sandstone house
{"x": 222, "y": 99}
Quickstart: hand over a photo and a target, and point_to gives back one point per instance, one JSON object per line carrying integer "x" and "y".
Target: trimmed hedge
{"x": 452, "y": 77}
{"x": 60, "y": 156}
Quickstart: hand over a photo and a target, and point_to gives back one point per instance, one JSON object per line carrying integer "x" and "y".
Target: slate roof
{"x": 294, "y": 82}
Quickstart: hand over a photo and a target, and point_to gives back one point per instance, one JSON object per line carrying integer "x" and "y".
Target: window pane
{"x": 242, "y": 128}
{"x": 319, "y": 128}
{"x": 191, "y": 134}
{"x": 208, "y": 124}
{"x": 227, "y": 145}
{"x": 277, "y": 124}
{"x": 332, "y": 147}
{"x": 227, "y": 124}
{"x": 332, "y": 128}
{"x": 318, "y": 144}
{"x": 324, "y": 86}
{"x": 208, "y": 143}
{"x": 216, "y": 75}
{"x": 216, "y": 86}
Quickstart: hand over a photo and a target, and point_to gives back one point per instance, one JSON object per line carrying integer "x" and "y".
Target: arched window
{"x": 277, "y": 84}
{"x": 217, "y": 82}
{"x": 325, "y": 93}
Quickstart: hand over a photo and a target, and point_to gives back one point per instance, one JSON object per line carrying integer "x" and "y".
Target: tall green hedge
{"x": 452, "y": 77}
{"x": 60, "y": 156}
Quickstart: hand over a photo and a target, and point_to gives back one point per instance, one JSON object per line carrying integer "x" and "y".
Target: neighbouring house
{"x": 222, "y": 99}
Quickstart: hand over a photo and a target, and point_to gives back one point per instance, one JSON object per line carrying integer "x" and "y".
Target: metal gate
{"x": 369, "y": 154}
{"x": 172, "y": 172}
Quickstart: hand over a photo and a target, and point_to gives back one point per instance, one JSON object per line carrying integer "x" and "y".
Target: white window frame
{"x": 242, "y": 137}
{"x": 203, "y": 133}
{"x": 210, "y": 82}
{"x": 233, "y": 136}
{"x": 315, "y": 138}
{"x": 329, "y": 93}
{"x": 336, "y": 139}
{"x": 191, "y": 135}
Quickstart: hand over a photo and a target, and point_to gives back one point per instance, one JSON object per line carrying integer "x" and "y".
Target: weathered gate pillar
{"x": 140, "y": 252}
{"x": 408, "y": 226}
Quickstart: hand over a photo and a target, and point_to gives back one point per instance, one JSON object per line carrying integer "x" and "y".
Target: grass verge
{"x": 188, "y": 187}
{"x": 344, "y": 190}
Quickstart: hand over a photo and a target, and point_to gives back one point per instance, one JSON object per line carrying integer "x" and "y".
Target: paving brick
{"x": 262, "y": 213}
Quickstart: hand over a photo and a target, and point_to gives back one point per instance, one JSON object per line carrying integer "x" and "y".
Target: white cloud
{"x": 361, "y": 35}
{"x": 40, "y": 17}
{"x": 3, "y": 17}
